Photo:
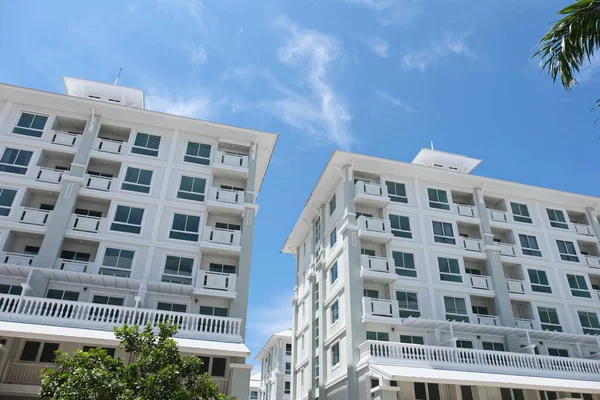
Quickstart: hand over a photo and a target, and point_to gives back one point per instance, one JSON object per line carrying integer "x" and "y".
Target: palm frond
{"x": 571, "y": 41}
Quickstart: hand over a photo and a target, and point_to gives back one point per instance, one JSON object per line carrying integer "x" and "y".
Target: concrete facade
{"x": 276, "y": 367}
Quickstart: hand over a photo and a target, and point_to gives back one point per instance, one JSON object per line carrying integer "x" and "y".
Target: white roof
{"x": 285, "y": 335}
{"x": 442, "y": 159}
{"x": 106, "y": 92}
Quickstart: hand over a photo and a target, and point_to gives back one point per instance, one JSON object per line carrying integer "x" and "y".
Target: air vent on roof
{"x": 91, "y": 96}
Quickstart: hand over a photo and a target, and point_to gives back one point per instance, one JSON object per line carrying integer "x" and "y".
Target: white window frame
{"x": 571, "y": 289}
{"x": 527, "y": 206}
{"x": 132, "y": 145}
{"x": 467, "y": 306}
{"x": 10, "y": 209}
{"x": 556, "y": 222}
{"x": 408, "y": 291}
{"x": 171, "y": 302}
{"x": 109, "y": 295}
{"x": 337, "y": 273}
{"x": 460, "y": 269}
{"x": 408, "y": 233}
{"x": 588, "y": 311}
{"x": 441, "y": 203}
{"x": 569, "y": 257}
{"x": 339, "y": 355}
{"x": 35, "y": 113}
{"x": 531, "y": 283}
{"x": 333, "y": 234}
{"x": 396, "y": 195}
{"x": 39, "y": 352}
{"x": 192, "y": 273}
{"x": 333, "y": 199}
{"x": 539, "y": 249}
{"x": 537, "y": 312}
{"x": 443, "y": 236}
{"x": 26, "y": 167}
{"x": 414, "y": 256}
{"x": 187, "y": 215}
{"x": 210, "y": 157}
{"x": 337, "y": 305}
{"x": 114, "y": 213}
{"x": 149, "y": 186}
{"x": 207, "y": 187}
{"x": 107, "y": 246}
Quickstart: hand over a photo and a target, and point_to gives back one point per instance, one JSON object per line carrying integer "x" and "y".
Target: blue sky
{"x": 382, "y": 77}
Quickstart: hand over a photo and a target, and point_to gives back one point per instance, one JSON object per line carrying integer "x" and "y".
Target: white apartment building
{"x": 276, "y": 367}
{"x": 112, "y": 214}
{"x": 422, "y": 281}
{"x": 254, "y": 386}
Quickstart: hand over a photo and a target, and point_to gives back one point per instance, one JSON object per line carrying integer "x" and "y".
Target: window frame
{"x": 539, "y": 283}
{"x": 136, "y": 184}
{"x": 443, "y": 239}
{"x": 109, "y": 296}
{"x": 101, "y": 266}
{"x": 204, "y": 195}
{"x": 585, "y": 290}
{"x": 15, "y": 166}
{"x": 395, "y": 197}
{"x": 440, "y": 205}
{"x": 9, "y": 208}
{"x": 133, "y": 146}
{"x": 332, "y": 204}
{"x": 185, "y": 232}
{"x": 191, "y": 277}
{"x": 403, "y": 268}
{"x": 157, "y": 301}
{"x": 402, "y": 233}
{"x": 466, "y": 316}
{"x": 458, "y": 276}
{"x": 529, "y": 251}
{"x": 521, "y": 218}
{"x": 35, "y": 114}
{"x": 591, "y": 330}
{"x": 333, "y": 237}
{"x": 40, "y": 350}
{"x": 332, "y": 275}
{"x": 408, "y": 311}
{"x": 114, "y": 221}
{"x": 335, "y": 355}
{"x": 568, "y": 256}
{"x": 557, "y": 223}
{"x": 549, "y": 324}
{"x": 334, "y": 312}
{"x": 210, "y": 156}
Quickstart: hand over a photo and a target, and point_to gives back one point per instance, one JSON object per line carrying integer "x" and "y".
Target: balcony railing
{"x": 592, "y": 261}
{"x": 524, "y": 323}
{"x": 515, "y": 286}
{"x": 222, "y": 236}
{"x": 583, "y": 229}
{"x": 105, "y": 317}
{"x": 226, "y": 196}
{"x": 507, "y": 249}
{"x": 109, "y": 145}
{"x": 16, "y": 258}
{"x": 34, "y": 216}
{"x": 64, "y": 138}
{"x": 72, "y": 265}
{"x": 479, "y": 281}
{"x": 98, "y": 182}
{"x": 377, "y": 264}
{"x": 379, "y": 307}
{"x": 497, "y": 215}
{"x": 216, "y": 281}
{"x": 465, "y": 210}
{"x": 85, "y": 223}
{"x": 24, "y": 373}
{"x": 471, "y": 244}
{"x": 375, "y": 225}
{"x": 231, "y": 159}
{"x": 483, "y": 319}
{"x": 475, "y": 360}
{"x": 371, "y": 189}
{"x": 49, "y": 175}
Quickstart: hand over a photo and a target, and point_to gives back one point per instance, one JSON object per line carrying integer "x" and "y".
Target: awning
{"x": 107, "y": 338}
{"x": 453, "y": 377}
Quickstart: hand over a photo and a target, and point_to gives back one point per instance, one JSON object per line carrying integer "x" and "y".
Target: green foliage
{"x": 156, "y": 371}
{"x": 571, "y": 41}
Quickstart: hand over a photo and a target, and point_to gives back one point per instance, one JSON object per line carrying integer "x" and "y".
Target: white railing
{"x": 34, "y": 216}
{"x": 109, "y": 145}
{"x": 379, "y": 307}
{"x": 24, "y": 373}
{"x": 377, "y": 264}
{"x": 231, "y": 159}
{"x": 85, "y": 223}
{"x": 583, "y": 229}
{"x": 374, "y": 225}
{"x": 524, "y": 323}
{"x": 465, "y": 210}
{"x": 98, "y": 182}
{"x": 507, "y": 249}
{"x": 222, "y": 384}
{"x": 49, "y": 175}
{"x": 105, "y": 317}
{"x": 515, "y": 286}
{"x": 371, "y": 189}
{"x": 222, "y": 236}
{"x": 597, "y": 294}
{"x": 72, "y": 265}
{"x": 479, "y": 281}
{"x": 226, "y": 195}
{"x": 216, "y": 281}
{"x": 64, "y": 138}
{"x": 497, "y": 215}
{"x": 483, "y": 319}
{"x": 592, "y": 261}
{"x": 480, "y": 360}
{"x": 16, "y": 258}
{"x": 471, "y": 244}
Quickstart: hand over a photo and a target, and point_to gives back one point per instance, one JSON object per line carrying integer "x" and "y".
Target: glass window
{"x": 547, "y": 395}
{"x": 117, "y": 262}
{"x": 30, "y": 351}
{"x": 557, "y": 219}
{"x": 288, "y": 368}
{"x": 218, "y": 366}
{"x": 253, "y": 395}
{"x": 396, "y": 192}
{"x": 466, "y": 393}
{"x": 174, "y": 307}
{"x": 332, "y": 204}
{"x": 30, "y": 124}
{"x": 11, "y": 289}
{"x": 520, "y": 212}
{"x": 229, "y": 227}
{"x": 335, "y": 312}
{"x": 288, "y": 349}
{"x": 539, "y": 281}
{"x": 137, "y": 180}
{"x": 381, "y": 336}
{"x": 178, "y": 270}
{"x": 443, "y": 232}
{"x": 400, "y": 226}
{"x": 109, "y": 300}
{"x": 316, "y": 332}
{"x": 47, "y": 354}
{"x": 549, "y": 319}
{"x": 456, "y": 309}
{"x": 223, "y": 268}
{"x": 529, "y": 245}
{"x": 494, "y": 346}
{"x": 15, "y": 161}
{"x": 191, "y": 188}
{"x": 589, "y": 322}
{"x": 367, "y": 252}
{"x": 578, "y": 285}
{"x": 146, "y": 144}
{"x": 412, "y": 339}
{"x": 449, "y": 269}
{"x": 511, "y": 394}
{"x": 333, "y": 274}
{"x": 333, "y": 238}
{"x": 558, "y": 352}
{"x": 128, "y": 219}
{"x": 286, "y": 387}
{"x": 438, "y": 199}
{"x": 480, "y": 310}
{"x": 197, "y": 153}
{"x": 62, "y": 295}
{"x": 317, "y": 230}
{"x": 7, "y": 196}
{"x": 429, "y": 391}
{"x": 567, "y": 251}
{"x": 408, "y": 304}
{"x": 185, "y": 227}
{"x": 371, "y": 293}
{"x": 404, "y": 263}
{"x": 335, "y": 354}
{"x": 214, "y": 311}
{"x": 75, "y": 255}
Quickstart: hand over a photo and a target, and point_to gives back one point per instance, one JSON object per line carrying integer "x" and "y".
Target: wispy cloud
{"x": 185, "y": 10}
{"x": 588, "y": 71}
{"x": 375, "y": 4}
{"x": 451, "y": 45}
{"x": 198, "y": 55}
{"x": 390, "y": 12}
{"x": 388, "y": 98}
{"x": 378, "y": 46}
{"x": 199, "y": 106}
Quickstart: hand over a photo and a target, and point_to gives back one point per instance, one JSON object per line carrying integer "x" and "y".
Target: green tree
{"x": 157, "y": 371}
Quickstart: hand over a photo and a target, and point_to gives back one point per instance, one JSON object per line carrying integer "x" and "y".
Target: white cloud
{"x": 198, "y": 54}
{"x": 390, "y": 12}
{"x": 450, "y": 45}
{"x": 200, "y": 106}
{"x": 378, "y": 46}
{"x": 588, "y": 71}
{"x": 386, "y": 97}
{"x": 267, "y": 319}
{"x": 375, "y": 4}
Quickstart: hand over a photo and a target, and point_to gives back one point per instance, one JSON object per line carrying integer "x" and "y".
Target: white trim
{"x": 132, "y": 141}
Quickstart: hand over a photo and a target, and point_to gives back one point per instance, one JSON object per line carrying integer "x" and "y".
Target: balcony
{"x": 85, "y": 223}
{"x": 72, "y": 265}
{"x": 374, "y": 230}
{"x": 466, "y": 210}
{"x": 592, "y": 261}
{"x": 221, "y": 240}
{"x": 370, "y": 194}
{"x": 525, "y": 323}
{"x": 111, "y": 139}
{"x": 230, "y": 163}
{"x": 64, "y": 138}
{"x": 19, "y": 259}
{"x": 484, "y": 319}
{"x": 105, "y": 317}
{"x": 24, "y": 373}
{"x": 479, "y": 281}
{"x": 471, "y": 244}
{"x": 48, "y": 175}
{"x": 507, "y": 249}
{"x": 225, "y": 200}
{"x": 377, "y": 268}
{"x": 498, "y": 215}
{"x": 109, "y": 145}
{"x": 34, "y": 216}
{"x": 515, "y": 286}
{"x": 66, "y": 132}
{"x": 582, "y": 229}
{"x": 378, "y": 309}
{"x": 215, "y": 284}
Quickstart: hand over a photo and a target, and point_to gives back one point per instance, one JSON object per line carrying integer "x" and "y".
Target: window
{"x": 480, "y": 310}
{"x": 36, "y": 352}
{"x": 11, "y": 289}
{"x": 253, "y": 395}
{"x": 438, "y": 199}
{"x": 178, "y": 270}
{"x": 578, "y": 286}
{"x": 371, "y": 293}
{"x": 88, "y": 213}
{"x": 15, "y": 161}
{"x": 62, "y": 295}
{"x": 333, "y": 238}
{"x": 288, "y": 349}
{"x": 214, "y": 311}
{"x": 316, "y": 297}
{"x": 589, "y": 322}
{"x": 584, "y": 396}
{"x": 443, "y": 233}
{"x": 511, "y": 394}
{"x": 317, "y": 372}
{"x": 408, "y": 304}
{"x": 117, "y": 262}
{"x": 185, "y": 227}
{"x": 412, "y": 339}
{"x": 494, "y": 346}
{"x": 529, "y": 245}
{"x": 109, "y": 300}
{"x": 288, "y": 368}
{"x": 381, "y": 336}
{"x": 335, "y": 312}
{"x": 197, "y": 153}
{"x": 449, "y": 269}
{"x": 335, "y": 354}
{"x": 229, "y": 227}
{"x": 7, "y": 196}
{"x": 456, "y": 309}
{"x": 557, "y": 219}
{"x": 146, "y": 144}
{"x": 429, "y": 391}
{"x": 396, "y": 192}
{"x": 137, "y": 180}
{"x": 316, "y": 332}
{"x": 75, "y": 255}
{"x": 472, "y": 271}
{"x": 520, "y": 212}
{"x": 332, "y": 204}
{"x": 466, "y": 393}
{"x": 558, "y": 352}
{"x": 222, "y": 268}
{"x": 174, "y": 307}
{"x": 367, "y": 252}
{"x": 128, "y": 219}
{"x": 539, "y": 281}
{"x": 218, "y": 366}
{"x": 317, "y": 230}
{"x": 109, "y": 350}
{"x": 400, "y": 226}
{"x": 30, "y": 124}
{"x": 191, "y": 188}
{"x": 549, "y": 319}
{"x": 567, "y": 251}
{"x": 404, "y": 263}
{"x": 333, "y": 274}
{"x": 286, "y": 387}
{"x": 546, "y": 395}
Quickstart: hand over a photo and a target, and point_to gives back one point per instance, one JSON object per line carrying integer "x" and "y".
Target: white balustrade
{"x": 592, "y": 261}
{"x": 371, "y": 189}
{"x": 34, "y": 216}
{"x": 471, "y": 244}
{"x": 222, "y": 384}
{"x": 515, "y": 286}
{"x": 498, "y": 215}
{"x": 98, "y": 182}
{"x": 231, "y": 159}
{"x": 24, "y": 373}
{"x": 465, "y": 210}
{"x": 16, "y": 258}
{"x": 583, "y": 229}
{"x": 216, "y": 281}
{"x": 49, "y": 175}
{"x": 379, "y": 307}
{"x": 377, "y": 264}
{"x": 64, "y": 138}
{"x": 72, "y": 265}
{"x": 85, "y": 223}
{"x": 226, "y": 196}
{"x": 479, "y": 281}
{"x": 506, "y": 249}
{"x": 109, "y": 145}
{"x": 524, "y": 323}
{"x": 222, "y": 236}
{"x": 105, "y": 317}
{"x": 374, "y": 225}
{"x": 491, "y": 320}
